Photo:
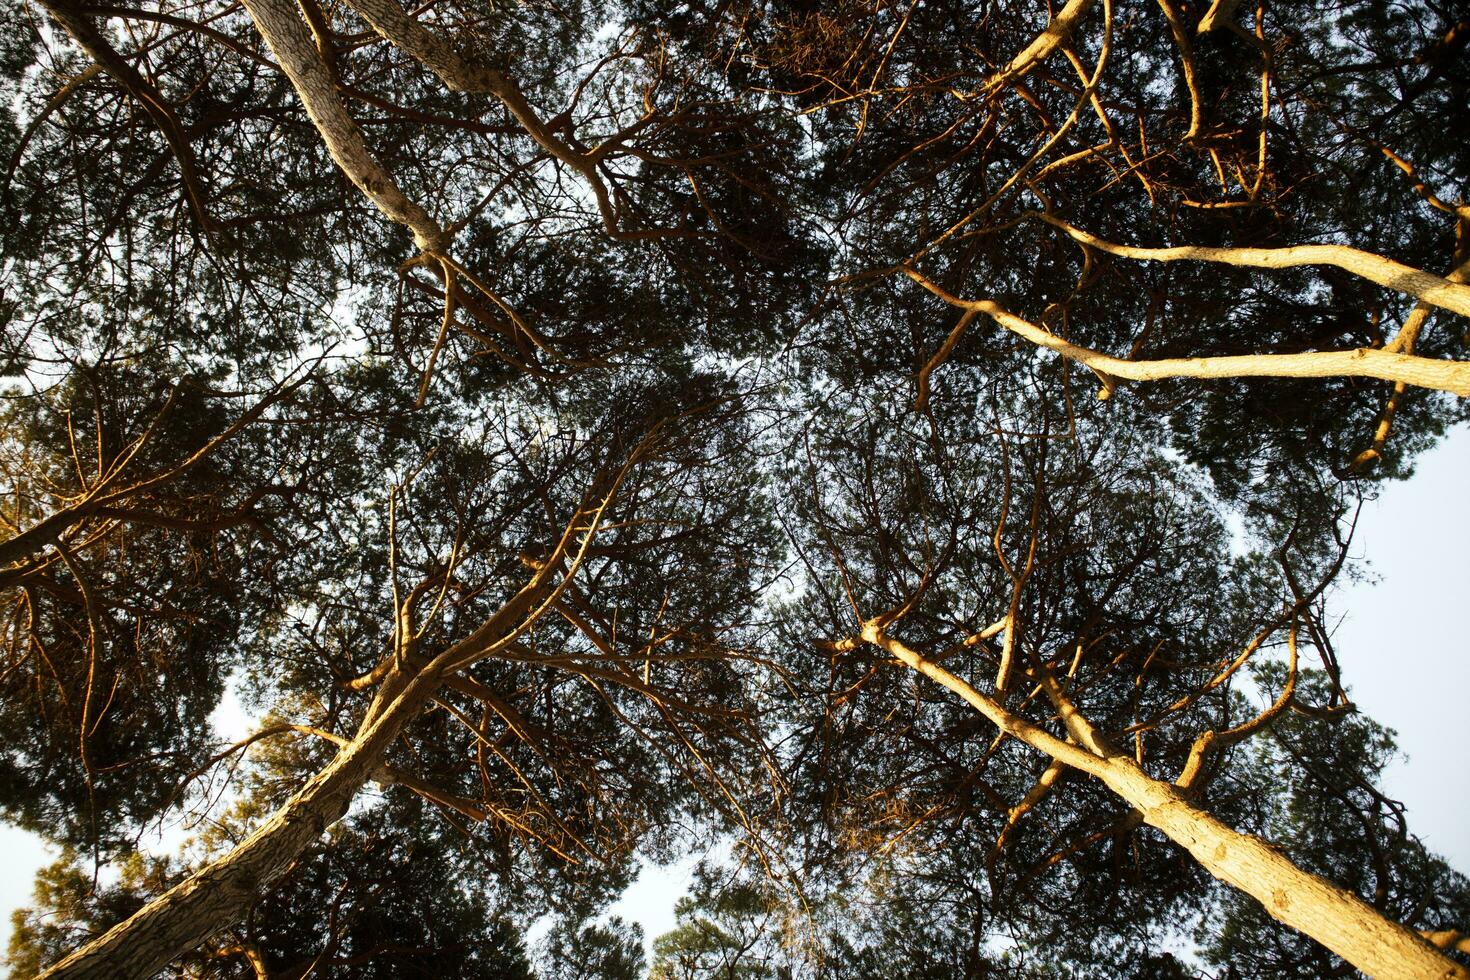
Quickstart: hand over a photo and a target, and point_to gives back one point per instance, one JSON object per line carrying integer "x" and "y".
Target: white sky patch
{"x": 230, "y": 720}
{"x": 25, "y": 854}
{"x": 1403, "y": 646}
{"x": 649, "y": 900}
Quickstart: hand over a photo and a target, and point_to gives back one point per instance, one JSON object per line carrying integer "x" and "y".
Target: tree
{"x": 525, "y": 346}
{"x": 583, "y": 952}
{"x": 1336, "y": 821}
{"x": 621, "y": 307}
{"x": 1117, "y": 563}
{"x": 726, "y": 929}
{"x": 390, "y": 904}
{"x": 120, "y": 572}
{"x": 433, "y": 645}
{"x": 914, "y": 908}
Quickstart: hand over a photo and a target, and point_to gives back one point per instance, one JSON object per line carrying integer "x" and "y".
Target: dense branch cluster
{"x": 906, "y": 446}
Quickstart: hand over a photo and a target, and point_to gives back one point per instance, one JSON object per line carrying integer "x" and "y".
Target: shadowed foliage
{"x": 910, "y": 445}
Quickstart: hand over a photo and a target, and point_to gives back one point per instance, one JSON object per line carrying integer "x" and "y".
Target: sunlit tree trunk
{"x": 1333, "y": 916}
{"x": 217, "y": 897}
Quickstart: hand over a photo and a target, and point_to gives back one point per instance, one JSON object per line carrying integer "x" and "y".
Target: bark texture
{"x": 190, "y": 913}
{"x": 280, "y": 23}
{"x": 1333, "y": 916}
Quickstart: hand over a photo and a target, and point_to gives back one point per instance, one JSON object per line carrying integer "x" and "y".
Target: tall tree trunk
{"x": 1333, "y": 916}
{"x": 219, "y": 895}
{"x": 280, "y": 23}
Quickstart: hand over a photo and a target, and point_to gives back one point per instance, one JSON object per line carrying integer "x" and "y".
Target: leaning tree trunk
{"x": 216, "y": 897}
{"x": 1333, "y": 916}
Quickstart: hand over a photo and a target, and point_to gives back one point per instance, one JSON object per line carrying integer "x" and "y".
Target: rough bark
{"x": 280, "y": 23}
{"x": 1332, "y": 916}
{"x": 216, "y": 897}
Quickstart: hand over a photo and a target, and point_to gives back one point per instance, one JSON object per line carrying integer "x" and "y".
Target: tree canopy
{"x": 909, "y": 445}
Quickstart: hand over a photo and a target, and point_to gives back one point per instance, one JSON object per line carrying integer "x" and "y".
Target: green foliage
{"x": 599, "y": 951}
{"x": 249, "y": 436}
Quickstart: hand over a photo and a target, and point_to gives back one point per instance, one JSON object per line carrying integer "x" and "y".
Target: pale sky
{"x": 1403, "y": 645}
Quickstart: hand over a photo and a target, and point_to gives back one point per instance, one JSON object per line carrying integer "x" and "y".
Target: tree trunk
{"x": 280, "y": 23}
{"x": 218, "y": 896}
{"x": 1333, "y": 916}
{"x": 215, "y": 898}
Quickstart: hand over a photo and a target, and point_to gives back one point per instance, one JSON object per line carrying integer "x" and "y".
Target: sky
{"x": 1403, "y": 644}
